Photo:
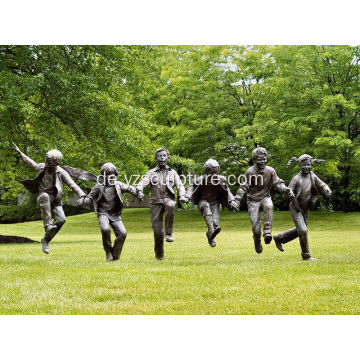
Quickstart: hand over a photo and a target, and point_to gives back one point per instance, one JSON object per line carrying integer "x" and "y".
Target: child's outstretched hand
{"x": 328, "y": 193}
{"x": 16, "y": 148}
{"x": 235, "y": 205}
{"x": 80, "y": 201}
{"x": 290, "y": 193}
{"x": 140, "y": 195}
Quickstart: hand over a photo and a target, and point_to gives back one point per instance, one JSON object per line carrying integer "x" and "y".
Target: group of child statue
{"x": 208, "y": 192}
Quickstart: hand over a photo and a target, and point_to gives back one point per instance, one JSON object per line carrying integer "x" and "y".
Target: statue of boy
{"x": 49, "y": 185}
{"x": 105, "y": 198}
{"x": 257, "y": 186}
{"x": 162, "y": 180}
{"x": 208, "y": 192}
{"x": 306, "y": 186}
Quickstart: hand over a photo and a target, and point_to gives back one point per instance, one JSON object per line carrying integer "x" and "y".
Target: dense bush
{"x": 29, "y": 211}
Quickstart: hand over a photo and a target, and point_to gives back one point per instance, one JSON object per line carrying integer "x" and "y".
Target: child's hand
{"x": 290, "y": 193}
{"x": 328, "y": 192}
{"x": 16, "y": 148}
{"x": 235, "y": 205}
{"x": 140, "y": 195}
{"x": 80, "y": 201}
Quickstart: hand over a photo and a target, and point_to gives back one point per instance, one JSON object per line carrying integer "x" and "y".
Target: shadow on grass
{"x": 10, "y": 239}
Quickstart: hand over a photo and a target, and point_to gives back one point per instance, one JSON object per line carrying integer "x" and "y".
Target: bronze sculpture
{"x": 162, "y": 180}
{"x": 306, "y": 186}
{"x": 208, "y": 192}
{"x": 106, "y": 200}
{"x": 49, "y": 185}
{"x": 259, "y": 179}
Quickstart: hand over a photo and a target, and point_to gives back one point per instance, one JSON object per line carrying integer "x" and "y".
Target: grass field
{"x": 193, "y": 278}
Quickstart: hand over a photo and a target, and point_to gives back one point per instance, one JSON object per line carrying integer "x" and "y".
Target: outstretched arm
{"x": 87, "y": 201}
{"x": 233, "y": 203}
{"x": 128, "y": 189}
{"x": 190, "y": 191}
{"x": 71, "y": 184}
{"x": 322, "y": 186}
{"x": 34, "y": 165}
{"x": 280, "y": 185}
{"x": 244, "y": 187}
{"x": 241, "y": 192}
{"x": 181, "y": 189}
{"x": 145, "y": 181}
{"x": 239, "y": 195}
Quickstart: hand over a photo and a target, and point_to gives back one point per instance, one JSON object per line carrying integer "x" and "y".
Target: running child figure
{"x": 259, "y": 179}
{"x": 306, "y": 186}
{"x": 208, "y": 192}
{"x": 105, "y": 198}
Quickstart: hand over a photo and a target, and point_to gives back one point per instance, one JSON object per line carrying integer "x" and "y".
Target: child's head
{"x": 109, "y": 172}
{"x": 162, "y": 156}
{"x": 211, "y": 166}
{"x": 53, "y": 158}
{"x": 109, "y": 169}
{"x": 259, "y": 156}
{"x": 305, "y": 163}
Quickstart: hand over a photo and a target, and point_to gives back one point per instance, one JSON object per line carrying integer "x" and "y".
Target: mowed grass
{"x": 193, "y": 278}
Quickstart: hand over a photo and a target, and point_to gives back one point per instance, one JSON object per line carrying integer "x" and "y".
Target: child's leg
{"x": 287, "y": 235}
{"x": 50, "y": 230}
{"x": 169, "y": 218}
{"x": 215, "y": 210}
{"x": 254, "y": 214}
{"x": 267, "y": 206}
{"x": 45, "y": 208}
{"x": 120, "y": 233}
{"x": 59, "y": 219}
{"x": 105, "y": 232}
{"x": 157, "y": 212}
{"x": 301, "y": 226}
{"x": 205, "y": 211}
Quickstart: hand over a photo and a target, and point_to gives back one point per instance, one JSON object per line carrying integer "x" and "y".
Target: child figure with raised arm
{"x": 105, "y": 198}
{"x": 306, "y": 186}
{"x": 49, "y": 186}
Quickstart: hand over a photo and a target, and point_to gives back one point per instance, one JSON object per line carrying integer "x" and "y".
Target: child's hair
{"x": 54, "y": 155}
{"x": 209, "y": 164}
{"x": 304, "y": 157}
{"x": 159, "y": 150}
{"x": 258, "y": 151}
{"x": 109, "y": 168}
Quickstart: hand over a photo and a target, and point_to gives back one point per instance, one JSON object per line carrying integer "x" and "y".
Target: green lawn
{"x": 193, "y": 279}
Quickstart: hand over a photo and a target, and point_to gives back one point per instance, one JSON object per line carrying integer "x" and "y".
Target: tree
{"x": 79, "y": 99}
{"x": 118, "y": 103}
{"x": 312, "y": 105}
{"x": 206, "y": 102}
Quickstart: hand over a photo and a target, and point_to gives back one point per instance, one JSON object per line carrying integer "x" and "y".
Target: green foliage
{"x": 118, "y": 103}
{"x": 19, "y": 213}
{"x": 81, "y": 100}
{"x": 222, "y": 101}
{"x": 30, "y": 211}
{"x": 312, "y": 105}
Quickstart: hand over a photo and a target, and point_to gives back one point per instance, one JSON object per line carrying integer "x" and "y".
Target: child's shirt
{"x": 109, "y": 203}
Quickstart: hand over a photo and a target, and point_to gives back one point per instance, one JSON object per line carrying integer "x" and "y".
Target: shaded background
{"x": 119, "y": 103}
